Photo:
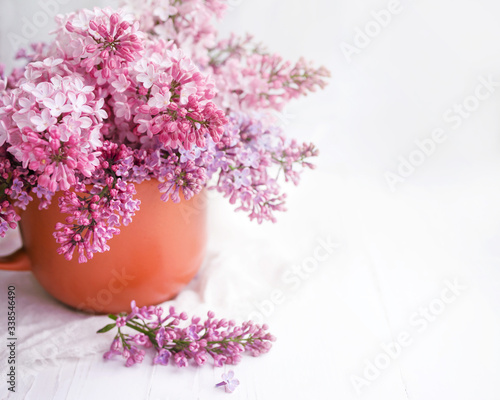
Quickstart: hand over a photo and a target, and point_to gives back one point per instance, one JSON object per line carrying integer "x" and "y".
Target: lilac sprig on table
{"x": 222, "y": 340}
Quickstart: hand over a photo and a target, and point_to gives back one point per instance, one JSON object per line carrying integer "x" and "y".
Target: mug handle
{"x": 17, "y": 261}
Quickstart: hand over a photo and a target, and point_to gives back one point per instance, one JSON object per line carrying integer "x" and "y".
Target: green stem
{"x": 129, "y": 324}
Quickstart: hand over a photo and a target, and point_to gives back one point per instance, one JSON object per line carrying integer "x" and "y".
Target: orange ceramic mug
{"x": 150, "y": 261}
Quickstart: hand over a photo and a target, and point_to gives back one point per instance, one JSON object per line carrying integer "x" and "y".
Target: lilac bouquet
{"x": 219, "y": 339}
{"x": 145, "y": 92}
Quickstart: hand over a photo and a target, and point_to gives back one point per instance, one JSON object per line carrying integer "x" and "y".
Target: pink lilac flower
{"x": 56, "y": 105}
{"x": 78, "y": 103}
{"x": 43, "y": 121}
{"x": 121, "y": 84}
{"x": 148, "y": 77}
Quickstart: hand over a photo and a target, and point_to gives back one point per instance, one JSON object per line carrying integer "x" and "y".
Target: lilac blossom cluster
{"x": 251, "y": 83}
{"x": 246, "y": 156}
{"x": 99, "y": 109}
{"x": 117, "y": 98}
{"x": 188, "y": 23}
{"x": 221, "y": 340}
{"x": 248, "y": 76}
{"x": 255, "y": 79}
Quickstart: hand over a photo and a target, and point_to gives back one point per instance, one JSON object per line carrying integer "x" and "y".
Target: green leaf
{"x": 107, "y": 328}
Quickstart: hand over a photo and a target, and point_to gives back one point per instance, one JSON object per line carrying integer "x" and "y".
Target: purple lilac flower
{"x": 162, "y": 357}
{"x": 228, "y": 381}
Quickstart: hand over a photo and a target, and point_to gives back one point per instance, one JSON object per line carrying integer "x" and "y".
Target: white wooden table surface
{"x": 398, "y": 251}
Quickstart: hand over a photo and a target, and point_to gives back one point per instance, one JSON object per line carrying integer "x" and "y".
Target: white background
{"x": 396, "y": 249}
